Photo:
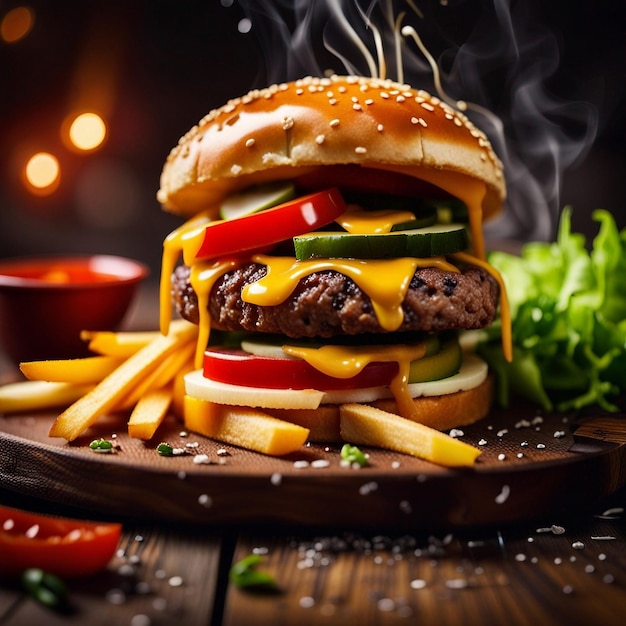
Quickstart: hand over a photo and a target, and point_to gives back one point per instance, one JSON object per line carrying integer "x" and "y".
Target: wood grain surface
{"x": 530, "y": 465}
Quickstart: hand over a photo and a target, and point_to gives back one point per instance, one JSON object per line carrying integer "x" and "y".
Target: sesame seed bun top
{"x": 292, "y": 129}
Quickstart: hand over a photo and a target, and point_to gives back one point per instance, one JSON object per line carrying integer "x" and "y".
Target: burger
{"x": 332, "y": 251}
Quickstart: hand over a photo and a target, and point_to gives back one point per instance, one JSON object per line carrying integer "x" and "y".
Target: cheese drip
{"x": 505, "y": 311}
{"x": 202, "y": 279}
{"x": 360, "y": 221}
{"x": 284, "y": 273}
{"x": 469, "y": 190}
{"x": 348, "y": 361}
{"x": 175, "y": 244}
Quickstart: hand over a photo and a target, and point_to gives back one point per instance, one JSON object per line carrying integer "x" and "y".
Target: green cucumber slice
{"x": 257, "y": 198}
{"x": 425, "y": 242}
{"x": 272, "y": 345}
{"x": 426, "y": 217}
{"x": 442, "y": 364}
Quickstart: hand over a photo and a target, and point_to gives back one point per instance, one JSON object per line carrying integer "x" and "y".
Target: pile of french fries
{"x": 142, "y": 374}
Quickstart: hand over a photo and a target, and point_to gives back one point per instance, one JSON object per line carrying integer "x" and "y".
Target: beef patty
{"x": 327, "y": 303}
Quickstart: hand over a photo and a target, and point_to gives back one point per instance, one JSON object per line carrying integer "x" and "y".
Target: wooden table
{"x": 563, "y": 567}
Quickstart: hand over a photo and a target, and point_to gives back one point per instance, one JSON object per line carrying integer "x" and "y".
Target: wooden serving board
{"x": 531, "y": 467}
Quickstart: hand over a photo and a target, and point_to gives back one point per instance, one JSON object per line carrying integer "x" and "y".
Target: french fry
{"x": 35, "y": 395}
{"x": 162, "y": 375}
{"x": 149, "y": 412}
{"x": 78, "y": 371}
{"x": 367, "y": 425}
{"x": 120, "y": 344}
{"x": 242, "y": 426}
{"x": 323, "y": 422}
{"x": 107, "y": 394}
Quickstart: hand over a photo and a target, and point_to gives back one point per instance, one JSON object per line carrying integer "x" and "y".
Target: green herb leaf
{"x": 164, "y": 449}
{"x": 352, "y": 454}
{"x": 246, "y": 575}
{"x": 101, "y": 445}
{"x": 569, "y": 319}
{"x": 46, "y": 588}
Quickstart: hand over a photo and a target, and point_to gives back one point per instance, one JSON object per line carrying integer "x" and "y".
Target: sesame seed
{"x": 300, "y": 91}
{"x": 369, "y": 101}
{"x": 334, "y": 123}
{"x": 300, "y": 464}
{"x": 320, "y": 139}
{"x": 236, "y": 169}
{"x": 400, "y": 98}
{"x": 380, "y": 128}
{"x": 384, "y": 95}
{"x": 360, "y": 150}
{"x": 414, "y": 120}
{"x": 356, "y": 107}
{"x": 427, "y": 106}
{"x": 288, "y": 123}
{"x": 332, "y": 101}
{"x": 250, "y": 142}
{"x": 341, "y": 89}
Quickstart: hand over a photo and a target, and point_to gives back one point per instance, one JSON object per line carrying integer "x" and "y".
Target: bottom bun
{"x": 452, "y": 410}
{"x": 441, "y": 412}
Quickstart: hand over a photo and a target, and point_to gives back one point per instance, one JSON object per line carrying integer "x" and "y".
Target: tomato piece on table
{"x": 271, "y": 226}
{"x": 237, "y": 367}
{"x": 61, "y": 546}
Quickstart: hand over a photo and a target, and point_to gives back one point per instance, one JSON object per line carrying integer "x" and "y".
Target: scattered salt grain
{"x": 503, "y": 496}
{"x": 368, "y": 488}
{"x": 115, "y": 596}
{"x": 201, "y": 459}
{"x": 320, "y": 463}
{"x": 578, "y": 545}
{"x": 175, "y": 581}
{"x": 205, "y": 500}
{"x": 276, "y": 479}
{"x": 140, "y": 620}
{"x": 306, "y": 602}
{"x": 418, "y": 583}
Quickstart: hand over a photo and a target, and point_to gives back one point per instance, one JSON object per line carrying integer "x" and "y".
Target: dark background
{"x": 158, "y": 66}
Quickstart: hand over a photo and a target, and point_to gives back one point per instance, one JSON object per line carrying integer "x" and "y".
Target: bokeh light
{"x": 87, "y": 131}
{"x": 42, "y": 173}
{"x": 16, "y": 24}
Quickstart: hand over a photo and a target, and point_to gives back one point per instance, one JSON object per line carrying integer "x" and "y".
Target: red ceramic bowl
{"x": 46, "y": 302}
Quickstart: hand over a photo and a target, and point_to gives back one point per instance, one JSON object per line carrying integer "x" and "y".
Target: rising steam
{"x": 490, "y": 58}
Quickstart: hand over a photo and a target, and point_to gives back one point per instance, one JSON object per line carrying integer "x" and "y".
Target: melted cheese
{"x": 362, "y": 222}
{"x": 348, "y": 361}
{"x": 505, "y": 311}
{"x": 469, "y": 190}
{"x": 202, "y": 279}
{"x": 284, "y": 273}
{"x": 175, "y": 244}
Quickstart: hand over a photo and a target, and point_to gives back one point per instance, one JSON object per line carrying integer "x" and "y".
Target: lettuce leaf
{"x": 568, "y": 305}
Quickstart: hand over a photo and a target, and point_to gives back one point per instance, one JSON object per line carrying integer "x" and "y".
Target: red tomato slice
{"x": 237, "y": 367}
{"x": 60, "y": 546}
{"x": 271, "y": 226}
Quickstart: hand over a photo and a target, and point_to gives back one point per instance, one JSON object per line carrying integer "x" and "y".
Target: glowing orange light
{"x": 16, "y": 24}
{"x": 87, "y": 131}
{"x": 42, "y": 173}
